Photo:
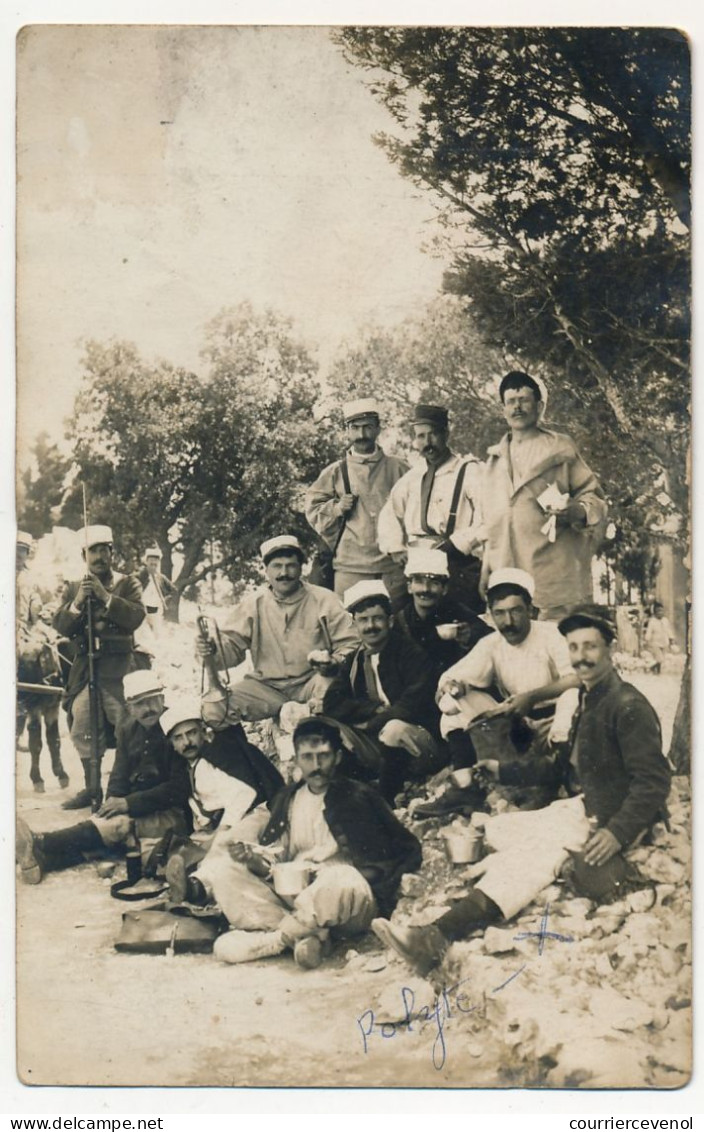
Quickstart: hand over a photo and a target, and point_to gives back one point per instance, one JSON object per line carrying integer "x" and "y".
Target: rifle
{"x": 93, "y": 783}
{"x": 45, "y": 689}
{"x": 215, "y": 697}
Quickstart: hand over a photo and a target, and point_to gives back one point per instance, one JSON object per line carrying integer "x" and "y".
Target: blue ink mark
{"x": 544, "y": 934}
{"x": 509, "y": 979}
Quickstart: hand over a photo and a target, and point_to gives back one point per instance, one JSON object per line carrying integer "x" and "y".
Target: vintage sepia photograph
{"x": 352, "y": 590}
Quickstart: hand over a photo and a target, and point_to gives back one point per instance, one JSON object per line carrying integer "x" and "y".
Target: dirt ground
{"x": 614, "y": 1009}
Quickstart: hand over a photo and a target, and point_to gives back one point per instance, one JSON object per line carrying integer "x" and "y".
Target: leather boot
{"x": 27, "y": 855}
{"x": 182, "y": 887}
{"x": 82, "y": 799}
{"x": 422, "y": 948}
{"x": 64, "y": 848}
{"x": 456, "y": 800}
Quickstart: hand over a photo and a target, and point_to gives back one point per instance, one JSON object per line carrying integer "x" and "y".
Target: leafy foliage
{"x": 559, "y": 161}
{"x": 180, "y": 460}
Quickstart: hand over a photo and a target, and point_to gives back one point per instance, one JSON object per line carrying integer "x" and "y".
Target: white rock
{"x": 498, "y": 941}
{"x": 411, "y": 885}
{"x": 641, "y": 901}
{"x": 619, "y": 1012}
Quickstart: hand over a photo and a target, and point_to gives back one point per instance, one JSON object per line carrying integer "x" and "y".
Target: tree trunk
{"x": 681, "y": 745}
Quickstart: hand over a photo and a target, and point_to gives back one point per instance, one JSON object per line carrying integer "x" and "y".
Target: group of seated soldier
{"x": 386, "y": 699}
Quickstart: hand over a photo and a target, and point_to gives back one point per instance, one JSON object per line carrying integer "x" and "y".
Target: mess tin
{"x": 291, "y": 877}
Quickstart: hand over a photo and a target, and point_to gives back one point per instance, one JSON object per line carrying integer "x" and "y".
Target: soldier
{"x": 296, "y": 634}
{"x": 117, "y": 611}
{"x": 160, "y": 594}
{"x": 542, "y": 506}
{"x": 344, "y": 503}
{"x": 37, "y": 663}
{"x": 436, "y": 505}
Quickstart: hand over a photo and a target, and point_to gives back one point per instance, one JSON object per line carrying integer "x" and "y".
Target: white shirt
{"x": 310, "y": 838}
{"x": 542, "y": 658}
{"x": 216, "y": 790}
{"x": 400, "y": 518}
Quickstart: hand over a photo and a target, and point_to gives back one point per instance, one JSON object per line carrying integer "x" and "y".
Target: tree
{"x": 185, "y": 461}
{"x": 559, "y": 160}
{"x": 42, "y": 487}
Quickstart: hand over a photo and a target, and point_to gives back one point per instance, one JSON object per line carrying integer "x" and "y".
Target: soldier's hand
{"x": 572, "y": 515}
{"x": 204, "y": 648}
{"x": 245, "y": 855}
{"x": 111, "y": 807}
{"x": 347, "y": 502}
{"x": 601, "y": 847}
{"x": 452, "y": 686}
{"x": 91, "y": 586}
{"x": 464, "y": 634}
{"x": 399, "y": 557}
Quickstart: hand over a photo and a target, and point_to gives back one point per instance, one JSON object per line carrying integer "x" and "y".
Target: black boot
{"x": 82, "y": 799}
{"x": 65, "y": 847}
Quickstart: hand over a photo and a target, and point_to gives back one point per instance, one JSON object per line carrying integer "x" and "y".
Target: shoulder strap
{"x": 454, "y": 506}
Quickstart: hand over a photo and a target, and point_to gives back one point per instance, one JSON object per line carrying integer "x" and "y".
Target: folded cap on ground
{"x": 24, "y": 539}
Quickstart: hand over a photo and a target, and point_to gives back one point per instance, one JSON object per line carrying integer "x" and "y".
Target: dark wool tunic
{"x": 364, "y": 827}
{"x": 616, "y": 752}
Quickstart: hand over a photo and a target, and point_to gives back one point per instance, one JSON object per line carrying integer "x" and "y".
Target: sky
{"x": 167, "y": 172}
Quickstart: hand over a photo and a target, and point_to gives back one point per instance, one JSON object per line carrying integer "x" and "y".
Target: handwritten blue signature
{"x": 449, "y": 1003}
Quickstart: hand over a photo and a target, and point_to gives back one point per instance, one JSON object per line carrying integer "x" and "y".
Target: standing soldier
{"x": 543, "y": 506}
{"x": 344, "y": 503}
{"x": 117, "y": 610}
{"x": 436, "y": 505}
{"x": 160, "y": 594}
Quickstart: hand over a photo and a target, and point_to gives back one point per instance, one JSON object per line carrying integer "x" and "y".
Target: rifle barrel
{"x": 46, "y": 689}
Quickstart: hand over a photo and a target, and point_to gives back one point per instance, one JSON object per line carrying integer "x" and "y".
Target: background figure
{"x": 659, "y": 637}
{"x": 160, "y": 594}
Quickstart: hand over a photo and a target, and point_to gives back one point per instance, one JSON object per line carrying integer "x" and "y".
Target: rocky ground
{"x": 608, "y": 1004}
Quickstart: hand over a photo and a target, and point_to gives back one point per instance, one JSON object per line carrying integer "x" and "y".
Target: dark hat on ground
{"x": 430, "y": 414}
{"x": 589, "y": 616}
